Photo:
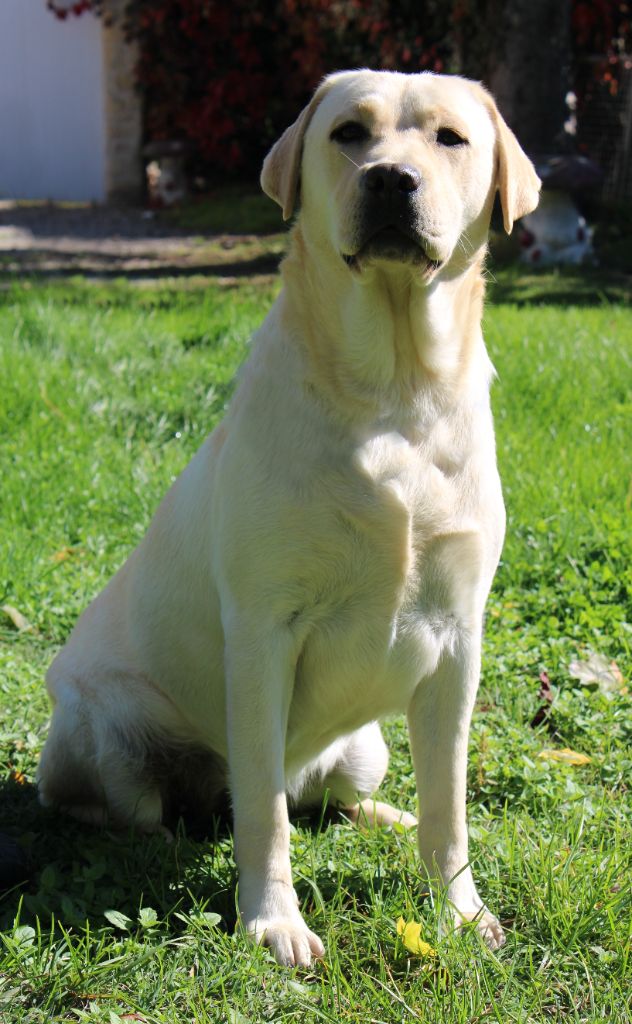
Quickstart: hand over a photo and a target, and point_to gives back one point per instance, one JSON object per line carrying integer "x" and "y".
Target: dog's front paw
{"x": 488, "y": 926}
{"x": 273, "y": 919}
{"x": 290, "y": 941}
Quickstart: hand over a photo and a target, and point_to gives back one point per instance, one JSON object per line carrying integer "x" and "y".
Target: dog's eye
{"x": 447, "y": 137}
{"x": 350, "y": 131}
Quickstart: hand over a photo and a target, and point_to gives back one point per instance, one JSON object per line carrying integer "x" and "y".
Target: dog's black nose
{"x": 390, "y": 178}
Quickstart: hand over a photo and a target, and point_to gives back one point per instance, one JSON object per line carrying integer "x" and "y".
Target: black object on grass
{"x": 13, "y": 863}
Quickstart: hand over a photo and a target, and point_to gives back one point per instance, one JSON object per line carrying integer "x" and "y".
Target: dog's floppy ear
{"x": 281, "y": 170}
{"x": 518, "y": 184}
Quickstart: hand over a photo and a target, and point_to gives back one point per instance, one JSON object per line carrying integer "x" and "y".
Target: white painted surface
{"x": 52, "y": 119}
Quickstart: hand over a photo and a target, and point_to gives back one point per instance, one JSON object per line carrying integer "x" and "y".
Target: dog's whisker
{"x": 465, "y": 244}
{"x": 351, "y": 161}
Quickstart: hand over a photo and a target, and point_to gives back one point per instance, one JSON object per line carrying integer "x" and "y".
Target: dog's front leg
{"x": 260, "y": 678}
{"x": 439, "y": 721}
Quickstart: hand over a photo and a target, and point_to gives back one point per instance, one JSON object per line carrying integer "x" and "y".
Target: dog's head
{"x": 400, "y": 169}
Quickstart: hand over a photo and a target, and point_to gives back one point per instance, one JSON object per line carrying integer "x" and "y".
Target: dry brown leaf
{"x": 63, "y": 554}
{"x": 545, "y": 694}
{"x": 598, "y": 673}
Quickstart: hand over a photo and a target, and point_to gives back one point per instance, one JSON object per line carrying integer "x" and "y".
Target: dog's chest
{"x": 410, "y": 561}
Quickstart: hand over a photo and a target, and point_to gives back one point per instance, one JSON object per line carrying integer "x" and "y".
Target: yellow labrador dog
{"x": 325, "y": 558}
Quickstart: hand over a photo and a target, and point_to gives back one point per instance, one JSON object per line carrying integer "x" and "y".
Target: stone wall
{"x": 124, "y": 172}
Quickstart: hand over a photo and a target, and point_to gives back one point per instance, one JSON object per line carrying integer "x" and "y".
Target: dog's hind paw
{"x": 373, "y": 812}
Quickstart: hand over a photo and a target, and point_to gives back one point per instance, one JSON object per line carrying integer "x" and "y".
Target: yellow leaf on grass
{"x": 410, "y": 932}
{"x": 18, "y": 620}
{"x": 565, "y": 755}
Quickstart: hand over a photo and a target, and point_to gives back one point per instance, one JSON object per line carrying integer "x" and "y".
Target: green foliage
{"x": 107, "y": 392}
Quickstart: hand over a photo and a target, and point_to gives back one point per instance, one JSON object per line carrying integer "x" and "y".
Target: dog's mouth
{"x": 396, "y": 244}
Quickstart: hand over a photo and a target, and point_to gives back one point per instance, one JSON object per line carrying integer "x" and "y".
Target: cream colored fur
{"x": 325, "y": 558}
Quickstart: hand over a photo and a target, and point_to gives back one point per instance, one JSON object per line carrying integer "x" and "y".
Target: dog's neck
{"x": 383, "y": 340}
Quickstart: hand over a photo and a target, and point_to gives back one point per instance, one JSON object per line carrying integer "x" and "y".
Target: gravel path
{"x": 104, "y": 241}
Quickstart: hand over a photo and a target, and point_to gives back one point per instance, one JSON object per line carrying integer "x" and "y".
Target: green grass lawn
{"x": 106, "y": 393}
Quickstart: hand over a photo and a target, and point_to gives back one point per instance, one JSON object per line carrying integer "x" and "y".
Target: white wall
{"x": 52, "y": 108}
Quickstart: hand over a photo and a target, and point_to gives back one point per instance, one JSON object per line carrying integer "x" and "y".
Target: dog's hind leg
{"x": 97, "y": 775}
{"x": 349, "y": 772}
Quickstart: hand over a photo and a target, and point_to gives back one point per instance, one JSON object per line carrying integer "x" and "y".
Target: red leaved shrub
{"x": 228, "y": 78}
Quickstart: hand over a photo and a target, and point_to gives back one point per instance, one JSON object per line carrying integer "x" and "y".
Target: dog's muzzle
{"x": 388, "y": 220}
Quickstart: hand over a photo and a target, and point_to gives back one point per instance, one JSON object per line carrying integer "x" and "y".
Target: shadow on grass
{"x": 75, "y": 872}
{"x": 46, "y": 265}
{"x": 508, "y": 284}
{"x": 568, "y": 286}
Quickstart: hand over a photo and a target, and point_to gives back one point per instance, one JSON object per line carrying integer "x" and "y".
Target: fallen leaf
{"x": 410, "y": 933}
{"x": 545, "y": 694}
{"x": 63, "y": 554}
{"x": 19, "y": 621}
{"x": 599, "y": 674}
{"x": 565, "y": 756}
